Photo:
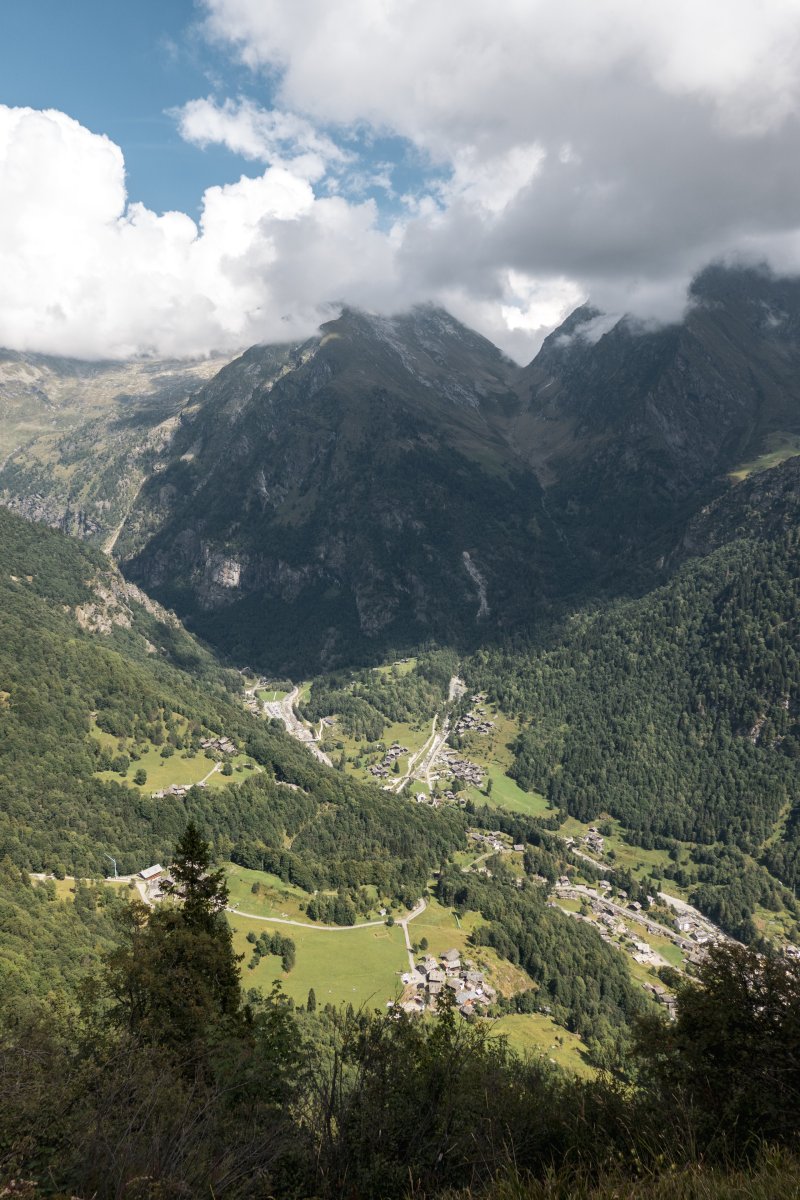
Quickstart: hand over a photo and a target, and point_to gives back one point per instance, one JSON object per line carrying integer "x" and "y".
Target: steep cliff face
{"x": 364, "y": 494}
{"x": 632, "y": 430}
{"x": 397, "y": 479}
{"x": 764, "y": 506}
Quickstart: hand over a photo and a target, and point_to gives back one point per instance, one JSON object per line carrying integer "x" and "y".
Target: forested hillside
{"x": 85, "y": 661}
{"x": 128, "y": 1089}
{"x": 679, "y": 714}
{"x": 81, "y": 694}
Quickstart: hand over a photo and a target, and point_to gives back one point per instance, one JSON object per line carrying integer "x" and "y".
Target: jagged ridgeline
{"x": 92, "y": 674}
{"x": 397, "y": 480}
{"x": 360, "y": 496}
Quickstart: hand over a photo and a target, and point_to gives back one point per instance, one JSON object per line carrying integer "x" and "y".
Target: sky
{"x": 187, "y": 176}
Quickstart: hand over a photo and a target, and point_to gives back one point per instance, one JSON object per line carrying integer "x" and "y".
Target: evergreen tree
{"x": 203, "y": 892}
{"x": 175, "y": 978}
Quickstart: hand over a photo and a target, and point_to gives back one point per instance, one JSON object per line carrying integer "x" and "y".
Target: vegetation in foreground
{"x": 162, "y": 1078}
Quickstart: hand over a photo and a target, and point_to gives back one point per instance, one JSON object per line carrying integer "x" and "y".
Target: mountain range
{"x": 394, "y": 481}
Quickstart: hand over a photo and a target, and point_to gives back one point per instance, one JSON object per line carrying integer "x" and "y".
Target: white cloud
{"x": 436, "y": 69}
{"x": 616, "y": 144}
{"x": 606, "y": 150}
{"x": 84, "y": 275}
{"x": 264, "y": 135}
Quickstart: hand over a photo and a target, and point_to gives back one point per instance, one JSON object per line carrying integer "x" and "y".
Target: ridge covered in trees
{"x": 678, "y": 713}
{"x": 57, "y": 814}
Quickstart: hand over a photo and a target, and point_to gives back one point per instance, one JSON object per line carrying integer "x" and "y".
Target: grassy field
{"x": 356, "y": 966}
{"x": 779, "y": 446}
{"x": 494, "y": 753}
{"x": 664, "y": 947}
{"x": 506, "y": 793}
{"x": 179, "y": 769}
{"x": 538, "y": 1035}
{"x": 412, "y": 736}
{"x": 401, "y": 668}
{"x": 638, "y": 861}
{"x": 274, "y": 899}
{"x": 65, "y": 888}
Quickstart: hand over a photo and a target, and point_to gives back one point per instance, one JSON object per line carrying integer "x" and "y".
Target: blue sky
{"x": 119, "y": 68}
{"x": 203, "y": 174}
{"x": 123, "y": 69}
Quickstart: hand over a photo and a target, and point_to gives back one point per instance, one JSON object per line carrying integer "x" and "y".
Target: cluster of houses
{"x": 612, "y": 926}
{"x": 395, "y": 751}
{"x": 432, "y": 977}
{"x": 456, "y": 767}
{"x": 156, "y": 880}
{"x": 690, "y": 928}
{"x": 177, "y": 789}
{"x": 437, "y": 799}
{"x": 594, "y": 840}
{"x": 662, "y": 996}
{"x": 475, "y": 721}
{"x": 219, "y": 745}
{"x": 495, "y": 840}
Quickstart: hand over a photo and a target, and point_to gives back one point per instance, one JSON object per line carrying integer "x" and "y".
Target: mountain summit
{"x": 357, "y": 491}
{"x": 397, "y": 479}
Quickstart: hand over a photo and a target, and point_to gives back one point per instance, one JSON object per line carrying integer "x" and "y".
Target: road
{"x": 433, "y": 753}
{"x": 680, "y": 906}
{"x": 641, "y": 917}
{"x": 283, "y": 710}
{"x": 216, "y": 767}
{"x": 426, "y": 757}
{"x": 141, "y": 886}
{"x": 418, "y": 909}
{"x": 420, "y": 764}
{"x": 455, "y": 691}
{"x": 684, "y": 909}
{"x": 411, "y": 771}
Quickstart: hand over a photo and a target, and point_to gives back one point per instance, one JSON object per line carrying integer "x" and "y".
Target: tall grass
{"x": 775, "y": 1175}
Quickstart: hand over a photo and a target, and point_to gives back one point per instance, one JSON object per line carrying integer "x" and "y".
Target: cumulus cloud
{"x": 86, "y": 274}
{"x": 265, "y": 135}
{"x": 603, "y": 151}
{"x": 616, "y": 144}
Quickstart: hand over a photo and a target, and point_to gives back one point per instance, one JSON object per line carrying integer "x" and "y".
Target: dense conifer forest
{"x": 679, "y": 714}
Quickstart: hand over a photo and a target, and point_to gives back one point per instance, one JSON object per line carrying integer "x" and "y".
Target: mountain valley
{"x": 445, "y": 657}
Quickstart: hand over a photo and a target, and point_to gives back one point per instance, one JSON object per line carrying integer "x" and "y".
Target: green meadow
{"x": 536, "y": 1034}
{"x": 361, "y": 967}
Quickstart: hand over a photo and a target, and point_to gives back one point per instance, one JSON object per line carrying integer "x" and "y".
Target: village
{"x": 434, "y": 977}
{"x": 448, "y": 774}
{"x": 392, "y": 756}
{"x": 448, "y": 765}
{"x": 475, "y": 721}
{"x": 692, "y": 932}
{"x": 218, "y": 745}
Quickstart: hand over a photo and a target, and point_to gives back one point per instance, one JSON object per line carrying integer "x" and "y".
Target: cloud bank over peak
{"x": 617, "y": 144}
{"x": 603, "y": 151}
